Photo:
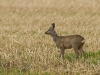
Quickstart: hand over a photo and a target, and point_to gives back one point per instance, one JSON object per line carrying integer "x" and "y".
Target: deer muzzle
{"x": 46, "y": 33}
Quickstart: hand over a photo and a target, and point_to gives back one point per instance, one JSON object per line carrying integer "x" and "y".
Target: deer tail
{"x": 83, "y": 41}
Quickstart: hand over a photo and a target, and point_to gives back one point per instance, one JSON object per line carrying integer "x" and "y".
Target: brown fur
{"x": 67, "y": 42}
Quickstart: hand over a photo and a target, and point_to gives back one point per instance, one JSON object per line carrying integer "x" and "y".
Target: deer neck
{"x": 54, "y": 36}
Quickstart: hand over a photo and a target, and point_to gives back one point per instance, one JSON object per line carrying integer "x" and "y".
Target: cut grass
{"x": 91, "y": 58}
{"x": 26, "y": 50}
{"x": 13, "y": 71}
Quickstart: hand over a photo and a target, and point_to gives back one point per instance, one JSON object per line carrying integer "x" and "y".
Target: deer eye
{"x": 49, "y": 30}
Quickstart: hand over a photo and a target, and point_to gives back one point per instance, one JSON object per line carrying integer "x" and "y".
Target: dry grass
{"x": 24, "y": 46}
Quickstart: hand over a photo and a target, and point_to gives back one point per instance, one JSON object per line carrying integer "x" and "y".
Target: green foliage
{"x": 13, "y": 71}
{"x": 70, "y": 57}
{"x": 94, "y": 57}
{"x": 46, "y": 73}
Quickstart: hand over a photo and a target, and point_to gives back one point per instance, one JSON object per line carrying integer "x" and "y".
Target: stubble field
{"x": 26, "y": 50}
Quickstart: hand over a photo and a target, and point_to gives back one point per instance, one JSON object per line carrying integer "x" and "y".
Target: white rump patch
{"x": 83, "y": 41}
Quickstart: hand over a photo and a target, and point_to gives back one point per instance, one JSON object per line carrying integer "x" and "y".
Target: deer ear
{"x": 53, "y": 25}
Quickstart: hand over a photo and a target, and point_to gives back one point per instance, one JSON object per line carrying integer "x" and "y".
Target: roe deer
{"x": 67, "y": 42}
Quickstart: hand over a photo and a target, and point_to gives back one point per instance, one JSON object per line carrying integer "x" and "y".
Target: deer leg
{"x": 62, "y": 53}
{"x": 83, "y": 53}
{"x": 76, "y": 52}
